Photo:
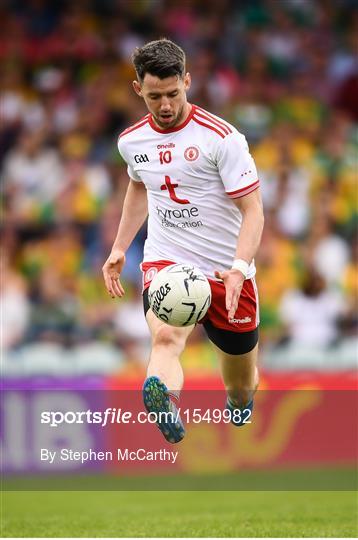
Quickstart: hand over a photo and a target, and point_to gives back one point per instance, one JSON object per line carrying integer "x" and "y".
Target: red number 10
{"x": 165, "y": 157}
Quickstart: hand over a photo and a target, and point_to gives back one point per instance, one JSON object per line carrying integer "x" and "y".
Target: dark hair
{"x": 161, "y": 58}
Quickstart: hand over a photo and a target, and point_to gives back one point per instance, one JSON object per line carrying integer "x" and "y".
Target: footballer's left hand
{"x": 233, "y": 280}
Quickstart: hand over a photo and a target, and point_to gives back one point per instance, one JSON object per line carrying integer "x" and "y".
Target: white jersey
{"x": 192, "y": 173}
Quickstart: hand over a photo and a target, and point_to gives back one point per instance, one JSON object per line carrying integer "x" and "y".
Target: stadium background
{"x": 283, "y": 72}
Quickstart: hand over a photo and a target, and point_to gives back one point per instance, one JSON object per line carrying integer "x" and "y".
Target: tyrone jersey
{"x": 192, "y": 173}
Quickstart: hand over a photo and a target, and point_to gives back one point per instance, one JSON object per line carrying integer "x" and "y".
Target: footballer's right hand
{"x": 111, "y": 270}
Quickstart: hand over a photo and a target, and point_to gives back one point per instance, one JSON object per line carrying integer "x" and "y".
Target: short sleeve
{"x": 130, "y": 171}
{"x": 132, "y": 174}
{"x": 236, "y": 166}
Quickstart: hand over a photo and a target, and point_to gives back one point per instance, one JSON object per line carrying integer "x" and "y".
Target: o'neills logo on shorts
{"x": 149, "y": 275}
{"x": 240, "y": 321}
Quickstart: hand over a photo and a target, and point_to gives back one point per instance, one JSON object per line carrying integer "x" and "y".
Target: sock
{"x": 234, "y": 403}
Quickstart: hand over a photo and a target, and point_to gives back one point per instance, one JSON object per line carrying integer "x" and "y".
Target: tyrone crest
{"x": 191, "y": 153}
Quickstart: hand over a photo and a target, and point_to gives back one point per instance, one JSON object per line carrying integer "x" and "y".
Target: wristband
{"x": 242, "y": 266}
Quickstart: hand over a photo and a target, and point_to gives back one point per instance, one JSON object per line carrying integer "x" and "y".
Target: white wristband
{"x": 243, "y": 266}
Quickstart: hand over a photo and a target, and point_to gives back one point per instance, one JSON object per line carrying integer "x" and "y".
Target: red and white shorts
{"x": 247, "y": 314}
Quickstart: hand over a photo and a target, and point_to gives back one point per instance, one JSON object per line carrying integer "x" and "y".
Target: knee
{"x": 168, "y": 336}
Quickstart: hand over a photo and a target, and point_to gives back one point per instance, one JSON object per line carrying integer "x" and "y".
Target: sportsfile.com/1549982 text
{"x": 113, "y": 415}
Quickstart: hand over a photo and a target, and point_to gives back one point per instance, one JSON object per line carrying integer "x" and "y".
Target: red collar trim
{"x": 154, "y": 126}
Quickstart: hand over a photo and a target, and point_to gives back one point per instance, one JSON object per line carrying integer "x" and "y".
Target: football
{"x": 180, "y": 295}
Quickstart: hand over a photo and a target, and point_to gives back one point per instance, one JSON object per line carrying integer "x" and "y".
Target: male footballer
{"x": 192, "y": 175}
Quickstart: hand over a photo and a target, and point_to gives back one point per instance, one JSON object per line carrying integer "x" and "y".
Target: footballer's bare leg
{"x": 168, "y": 342}
{"x": 165, "y": 376}
{"x": 241, "y": 379}
{"x": 240, "y": 375}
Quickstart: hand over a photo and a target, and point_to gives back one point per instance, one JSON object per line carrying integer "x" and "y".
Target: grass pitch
{"x": 179, "y": 514}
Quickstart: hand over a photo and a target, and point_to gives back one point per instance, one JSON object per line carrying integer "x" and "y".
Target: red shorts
{"x": 247, "y": 314}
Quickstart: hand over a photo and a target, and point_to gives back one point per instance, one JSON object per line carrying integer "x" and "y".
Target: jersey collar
{"x": 154, "y": 126}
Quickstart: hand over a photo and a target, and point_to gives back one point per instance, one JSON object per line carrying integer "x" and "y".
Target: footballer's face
{"x": 165, "y": 98}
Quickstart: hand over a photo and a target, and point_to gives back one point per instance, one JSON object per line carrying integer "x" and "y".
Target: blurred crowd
{"x": 285, "y": 72}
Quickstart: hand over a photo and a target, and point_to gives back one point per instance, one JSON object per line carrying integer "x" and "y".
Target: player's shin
{"x": 241, "y": 380}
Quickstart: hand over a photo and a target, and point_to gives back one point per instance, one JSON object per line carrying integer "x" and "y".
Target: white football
{"x": 180, "y": 295}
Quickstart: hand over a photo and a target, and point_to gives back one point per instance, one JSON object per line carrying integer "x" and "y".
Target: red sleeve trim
{"x": 207, "y": 116}
{"x": 243, "y": 191}
{"x": 222, "y": 135}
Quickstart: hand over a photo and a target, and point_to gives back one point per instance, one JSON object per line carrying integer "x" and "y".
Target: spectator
{"x": 311, "y": 313}
{"x": 32, "y": 179}
{"x": 15, "y": 306}
{"x": 54, "y": 314}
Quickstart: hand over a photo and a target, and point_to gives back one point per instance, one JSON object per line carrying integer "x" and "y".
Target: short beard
{"x": 175, "y": 121}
